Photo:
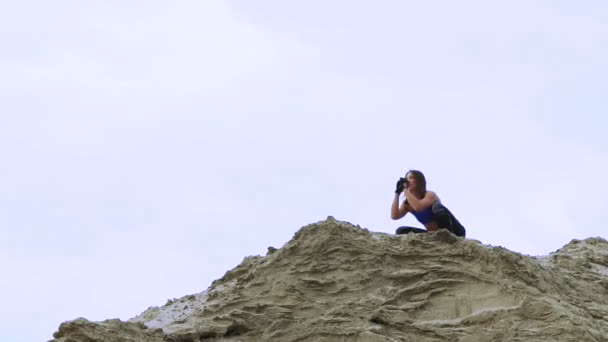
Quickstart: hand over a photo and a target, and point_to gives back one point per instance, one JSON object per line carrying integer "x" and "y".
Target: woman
{"x": 424, "y": 205}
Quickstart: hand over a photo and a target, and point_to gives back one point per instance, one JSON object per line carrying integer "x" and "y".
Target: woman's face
{"x": 411, "y": 181}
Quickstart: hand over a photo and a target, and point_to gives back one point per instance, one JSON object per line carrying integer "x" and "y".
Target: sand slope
{"x": 338, "y": 282}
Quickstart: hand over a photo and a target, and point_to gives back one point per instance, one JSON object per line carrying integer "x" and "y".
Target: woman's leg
{"x": 445, "y": 219}
{"x": 406, "y": 229}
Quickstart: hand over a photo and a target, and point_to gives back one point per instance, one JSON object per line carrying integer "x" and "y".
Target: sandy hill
{"x": 338, "y": 282}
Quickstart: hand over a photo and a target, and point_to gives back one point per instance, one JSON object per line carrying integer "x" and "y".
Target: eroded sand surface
{"x": 338, "y": 282}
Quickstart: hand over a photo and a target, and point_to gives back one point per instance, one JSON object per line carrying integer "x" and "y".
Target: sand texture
{"x": 338, "y": 282}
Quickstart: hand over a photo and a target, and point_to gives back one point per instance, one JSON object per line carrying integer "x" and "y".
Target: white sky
{"x": 147, "y": 147}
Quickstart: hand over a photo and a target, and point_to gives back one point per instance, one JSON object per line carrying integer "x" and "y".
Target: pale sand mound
{"x": 337, "y": 282}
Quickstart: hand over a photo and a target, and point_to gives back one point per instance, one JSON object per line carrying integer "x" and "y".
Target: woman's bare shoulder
{"x": 433, "y": 194}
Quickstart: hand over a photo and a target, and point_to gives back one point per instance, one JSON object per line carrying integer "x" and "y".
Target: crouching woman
{"x": 424, "y": 205}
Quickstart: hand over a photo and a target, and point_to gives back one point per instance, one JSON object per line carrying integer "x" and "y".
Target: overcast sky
{"x": 147, "y": 147}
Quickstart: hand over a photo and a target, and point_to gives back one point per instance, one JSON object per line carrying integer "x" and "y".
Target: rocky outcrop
{"x": 112, "y": 330}
{"x": 338, "y": 282}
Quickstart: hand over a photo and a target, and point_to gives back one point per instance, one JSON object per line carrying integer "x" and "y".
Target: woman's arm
{"x": 423, "y": 203}
{"x": 397, "y": 211}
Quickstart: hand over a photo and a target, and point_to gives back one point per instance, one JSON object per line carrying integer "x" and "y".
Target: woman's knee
{"x": 438, "y": 209}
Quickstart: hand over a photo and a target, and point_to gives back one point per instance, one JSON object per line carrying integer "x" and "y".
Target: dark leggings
{"x": 444, "y": 219}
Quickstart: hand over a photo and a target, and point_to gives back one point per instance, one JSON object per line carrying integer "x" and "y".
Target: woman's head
{"x": 416, "y": 181}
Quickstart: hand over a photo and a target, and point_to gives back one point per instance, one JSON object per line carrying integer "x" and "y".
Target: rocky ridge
{"x": 335, "y": 281}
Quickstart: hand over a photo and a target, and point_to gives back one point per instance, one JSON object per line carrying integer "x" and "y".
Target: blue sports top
{"x": 424, "y": 216}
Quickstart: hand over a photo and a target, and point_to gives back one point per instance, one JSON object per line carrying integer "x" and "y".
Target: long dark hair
{"x": 420, "y": 180}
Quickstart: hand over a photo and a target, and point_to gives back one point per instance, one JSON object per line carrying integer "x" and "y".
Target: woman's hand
{"x": 400, "y": 186}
